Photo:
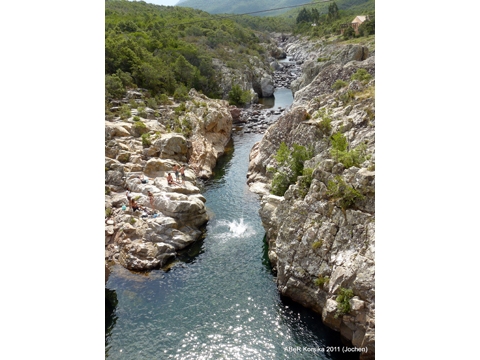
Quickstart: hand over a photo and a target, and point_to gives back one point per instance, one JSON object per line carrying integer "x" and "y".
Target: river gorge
{"x": 221, "y": 297}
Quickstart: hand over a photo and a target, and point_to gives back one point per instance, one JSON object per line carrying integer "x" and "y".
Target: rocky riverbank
{"x": 170, "y": 221}
{"x": 321, "y": 230}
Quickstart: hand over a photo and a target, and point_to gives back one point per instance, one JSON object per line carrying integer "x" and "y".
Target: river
{"x": 219, "y": 300}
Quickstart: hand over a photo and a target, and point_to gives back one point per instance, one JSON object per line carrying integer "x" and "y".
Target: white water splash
{"x": 236, "y": 228}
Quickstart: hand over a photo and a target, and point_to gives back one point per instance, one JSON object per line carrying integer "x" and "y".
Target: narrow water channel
{"x": 219, "y": 301}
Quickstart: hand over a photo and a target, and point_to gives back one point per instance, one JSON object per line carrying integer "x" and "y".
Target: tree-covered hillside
{"x": 169, "y": 50}
{"x": 329, "y": 17}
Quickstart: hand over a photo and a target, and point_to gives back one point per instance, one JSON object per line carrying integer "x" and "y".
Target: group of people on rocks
{"x": 179, "y": 172}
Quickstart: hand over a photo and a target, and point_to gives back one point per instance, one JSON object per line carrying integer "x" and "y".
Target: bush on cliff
{"x": 343, "y": 301}
{"x": 340, "y": 152}
{"x": 290, "y": 167}
{"x": 361, "y": 75}
{"x": 146, "y": 142}
{"x": 337, "y": 85}
{"x": 338, "y": 189}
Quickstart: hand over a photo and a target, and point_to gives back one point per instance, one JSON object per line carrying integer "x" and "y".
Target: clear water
{"x": 220, "y": 300}
{"x": 282, "y": 97}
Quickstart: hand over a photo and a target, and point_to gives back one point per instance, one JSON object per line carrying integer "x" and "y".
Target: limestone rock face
{"x": 172, "y": 146}
{"x": 212, "y": 133}
{"x": 256, "y": 78}
{"x": 318, "y": 242}
{"x": 316, "y": 55}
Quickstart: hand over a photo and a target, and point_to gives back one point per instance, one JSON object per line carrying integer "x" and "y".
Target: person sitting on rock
{"x": 135, "y": 206}
{"x": 170, "y": 179}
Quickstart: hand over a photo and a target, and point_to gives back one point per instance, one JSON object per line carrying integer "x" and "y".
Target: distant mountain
{"x": 252, "y": 6}
{"x": 240, "y": 7}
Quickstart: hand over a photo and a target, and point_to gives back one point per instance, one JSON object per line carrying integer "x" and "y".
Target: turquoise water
{"x": 219, "y": 301}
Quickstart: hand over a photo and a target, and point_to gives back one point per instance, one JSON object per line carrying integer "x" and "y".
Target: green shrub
{"x": 290, "y": 164}
{"x": 304, "y": 182}
{"x": 133, "y": 103}
{"x": 237, "y": 96}
{"x": 142, "y": 111}
{"x": 347, "y": 195}
{"x": 107, "y": 189}
{"x": 348, "y": 33}
{"x": 136, "y": 118}
{"x": 280, "y": 183}
{"x": 346, "y": 97}
{"x": 186, "y": 127}
{"x": 139, "y": 125}
{"x": 181, "y": 108}
{"x": 339, "y": 84}
{"x": 320, "y": 281}
{"x": 367, "y": 28}
{"x": 339, "y": 142}
{"x": 152, "y": 103}
{"x": 164, "y": 100}
{"x": 146, "y": 140}
{"x": 340, "y": 152}
{"x": 282, "y": 154}
{"x": 361, "y": 75}
{"x": 114, "y": 87}
{"x": 125, "y": 77}
{"x": 325, "y": 125}
{"x": 343, "y": 301}
{"x": 108, "y": 212}
{"x": 181, "y": 93}
{"x": 125, "y": 112}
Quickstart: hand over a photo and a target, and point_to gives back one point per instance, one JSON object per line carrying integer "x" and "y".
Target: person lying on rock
{"x": 143, "y": 179}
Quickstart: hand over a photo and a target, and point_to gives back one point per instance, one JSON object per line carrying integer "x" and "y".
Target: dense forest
{"x": 168, "y": 50}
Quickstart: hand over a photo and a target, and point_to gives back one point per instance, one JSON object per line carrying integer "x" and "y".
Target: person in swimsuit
{"x": 135, "y": 206}
{"x": 129, "y": 197}
{"x": 182, "y": 172}
{"x": 177, "y": 174}
{"x": 150, "y": 197}
{"x": 170, "y": 179}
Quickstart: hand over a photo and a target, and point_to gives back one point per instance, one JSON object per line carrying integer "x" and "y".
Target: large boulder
{"x": 172, "y": 146}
